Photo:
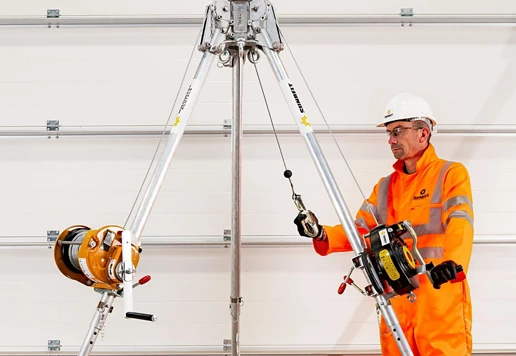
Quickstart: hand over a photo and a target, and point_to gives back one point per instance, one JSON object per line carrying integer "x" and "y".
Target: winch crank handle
{"x": 461, "y": 275}
{"x": 460, "y": 270}
{"x": 415, "y": 251}
{"x": 140, "y": 316}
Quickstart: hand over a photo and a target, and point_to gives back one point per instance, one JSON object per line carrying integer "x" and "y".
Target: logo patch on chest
{"x": 422, "y": 195}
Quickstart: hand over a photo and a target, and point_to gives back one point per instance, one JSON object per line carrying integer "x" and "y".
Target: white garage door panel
{"x": 83, "y": 76}
{"x": 117, "y": 167}
{"x": 131, "y": 77}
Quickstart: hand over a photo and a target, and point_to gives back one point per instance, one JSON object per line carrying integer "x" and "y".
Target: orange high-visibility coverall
{"x": 437, "y": 200}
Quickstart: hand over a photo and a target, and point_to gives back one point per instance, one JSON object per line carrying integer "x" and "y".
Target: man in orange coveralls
{"x": 435, "y": 196}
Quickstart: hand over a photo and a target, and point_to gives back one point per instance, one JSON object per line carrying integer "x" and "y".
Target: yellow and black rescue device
{"x": 392, "y": 260}
{"x": 93, "y": 257}
{"x": 391, "y": 267}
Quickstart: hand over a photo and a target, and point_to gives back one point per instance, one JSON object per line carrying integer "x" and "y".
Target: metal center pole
{"x": 236, "y": 214}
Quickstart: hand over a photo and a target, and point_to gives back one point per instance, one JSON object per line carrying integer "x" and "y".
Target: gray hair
{"x": 420, "y": 124}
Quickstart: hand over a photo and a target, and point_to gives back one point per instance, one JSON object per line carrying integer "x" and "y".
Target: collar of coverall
{"x": 428, "y": 157}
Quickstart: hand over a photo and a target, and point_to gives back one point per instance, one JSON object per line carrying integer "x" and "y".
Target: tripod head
{"x": 238, "y": 21}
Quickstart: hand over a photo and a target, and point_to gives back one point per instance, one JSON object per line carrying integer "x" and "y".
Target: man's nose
{"x": 392, "y": 140}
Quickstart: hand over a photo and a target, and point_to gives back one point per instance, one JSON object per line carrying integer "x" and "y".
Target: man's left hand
{"x": 443, "y": 273}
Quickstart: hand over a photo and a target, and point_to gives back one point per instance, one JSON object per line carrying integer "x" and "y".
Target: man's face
{"x": 404, "y": 139}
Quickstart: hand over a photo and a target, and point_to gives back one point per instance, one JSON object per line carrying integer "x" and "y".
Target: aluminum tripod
{"x": 235, "y": 31}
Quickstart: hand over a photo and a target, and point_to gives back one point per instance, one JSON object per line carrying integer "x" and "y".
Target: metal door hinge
{"x": 227, "y": 345}
{"x": 52, "y": 235}
{"x": 227, "y": 235}
{"x": 52, "y": 13}
{"x": 54, "y": 345}
{"x": 53, "y": 125}
{"x": 407, "y": 11}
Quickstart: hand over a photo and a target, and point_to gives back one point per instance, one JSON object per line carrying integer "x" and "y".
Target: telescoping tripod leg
{"x": 328, "y": 179}
{"x": 97, "y": 322}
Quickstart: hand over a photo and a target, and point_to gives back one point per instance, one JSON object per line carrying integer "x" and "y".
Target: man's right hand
{"x": 308, "y": 225}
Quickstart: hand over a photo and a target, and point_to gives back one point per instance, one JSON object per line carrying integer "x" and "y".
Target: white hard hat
{"x": 408, "y": 106}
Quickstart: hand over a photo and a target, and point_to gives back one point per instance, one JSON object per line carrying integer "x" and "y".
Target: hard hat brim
{"x": 383, "y": 124}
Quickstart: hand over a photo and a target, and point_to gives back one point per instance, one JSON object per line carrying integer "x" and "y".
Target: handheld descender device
{"x": 391, "y": 267}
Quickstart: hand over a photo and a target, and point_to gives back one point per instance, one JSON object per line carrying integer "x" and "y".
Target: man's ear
{"x": 425, "y": 132}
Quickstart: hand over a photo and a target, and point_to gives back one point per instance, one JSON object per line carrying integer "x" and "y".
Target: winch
{"x": 93, "y": 257}
{"x": 104, "y": 259}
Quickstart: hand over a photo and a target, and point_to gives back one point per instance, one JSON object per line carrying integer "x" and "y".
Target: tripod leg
{"x": 328, "y": 179}
{"x": 99, "y": 318}
{"x": 175, "y": 135}
{"x": 391, "y": 320}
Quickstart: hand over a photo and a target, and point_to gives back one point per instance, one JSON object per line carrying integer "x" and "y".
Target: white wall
{"x": 120, "y": 77}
